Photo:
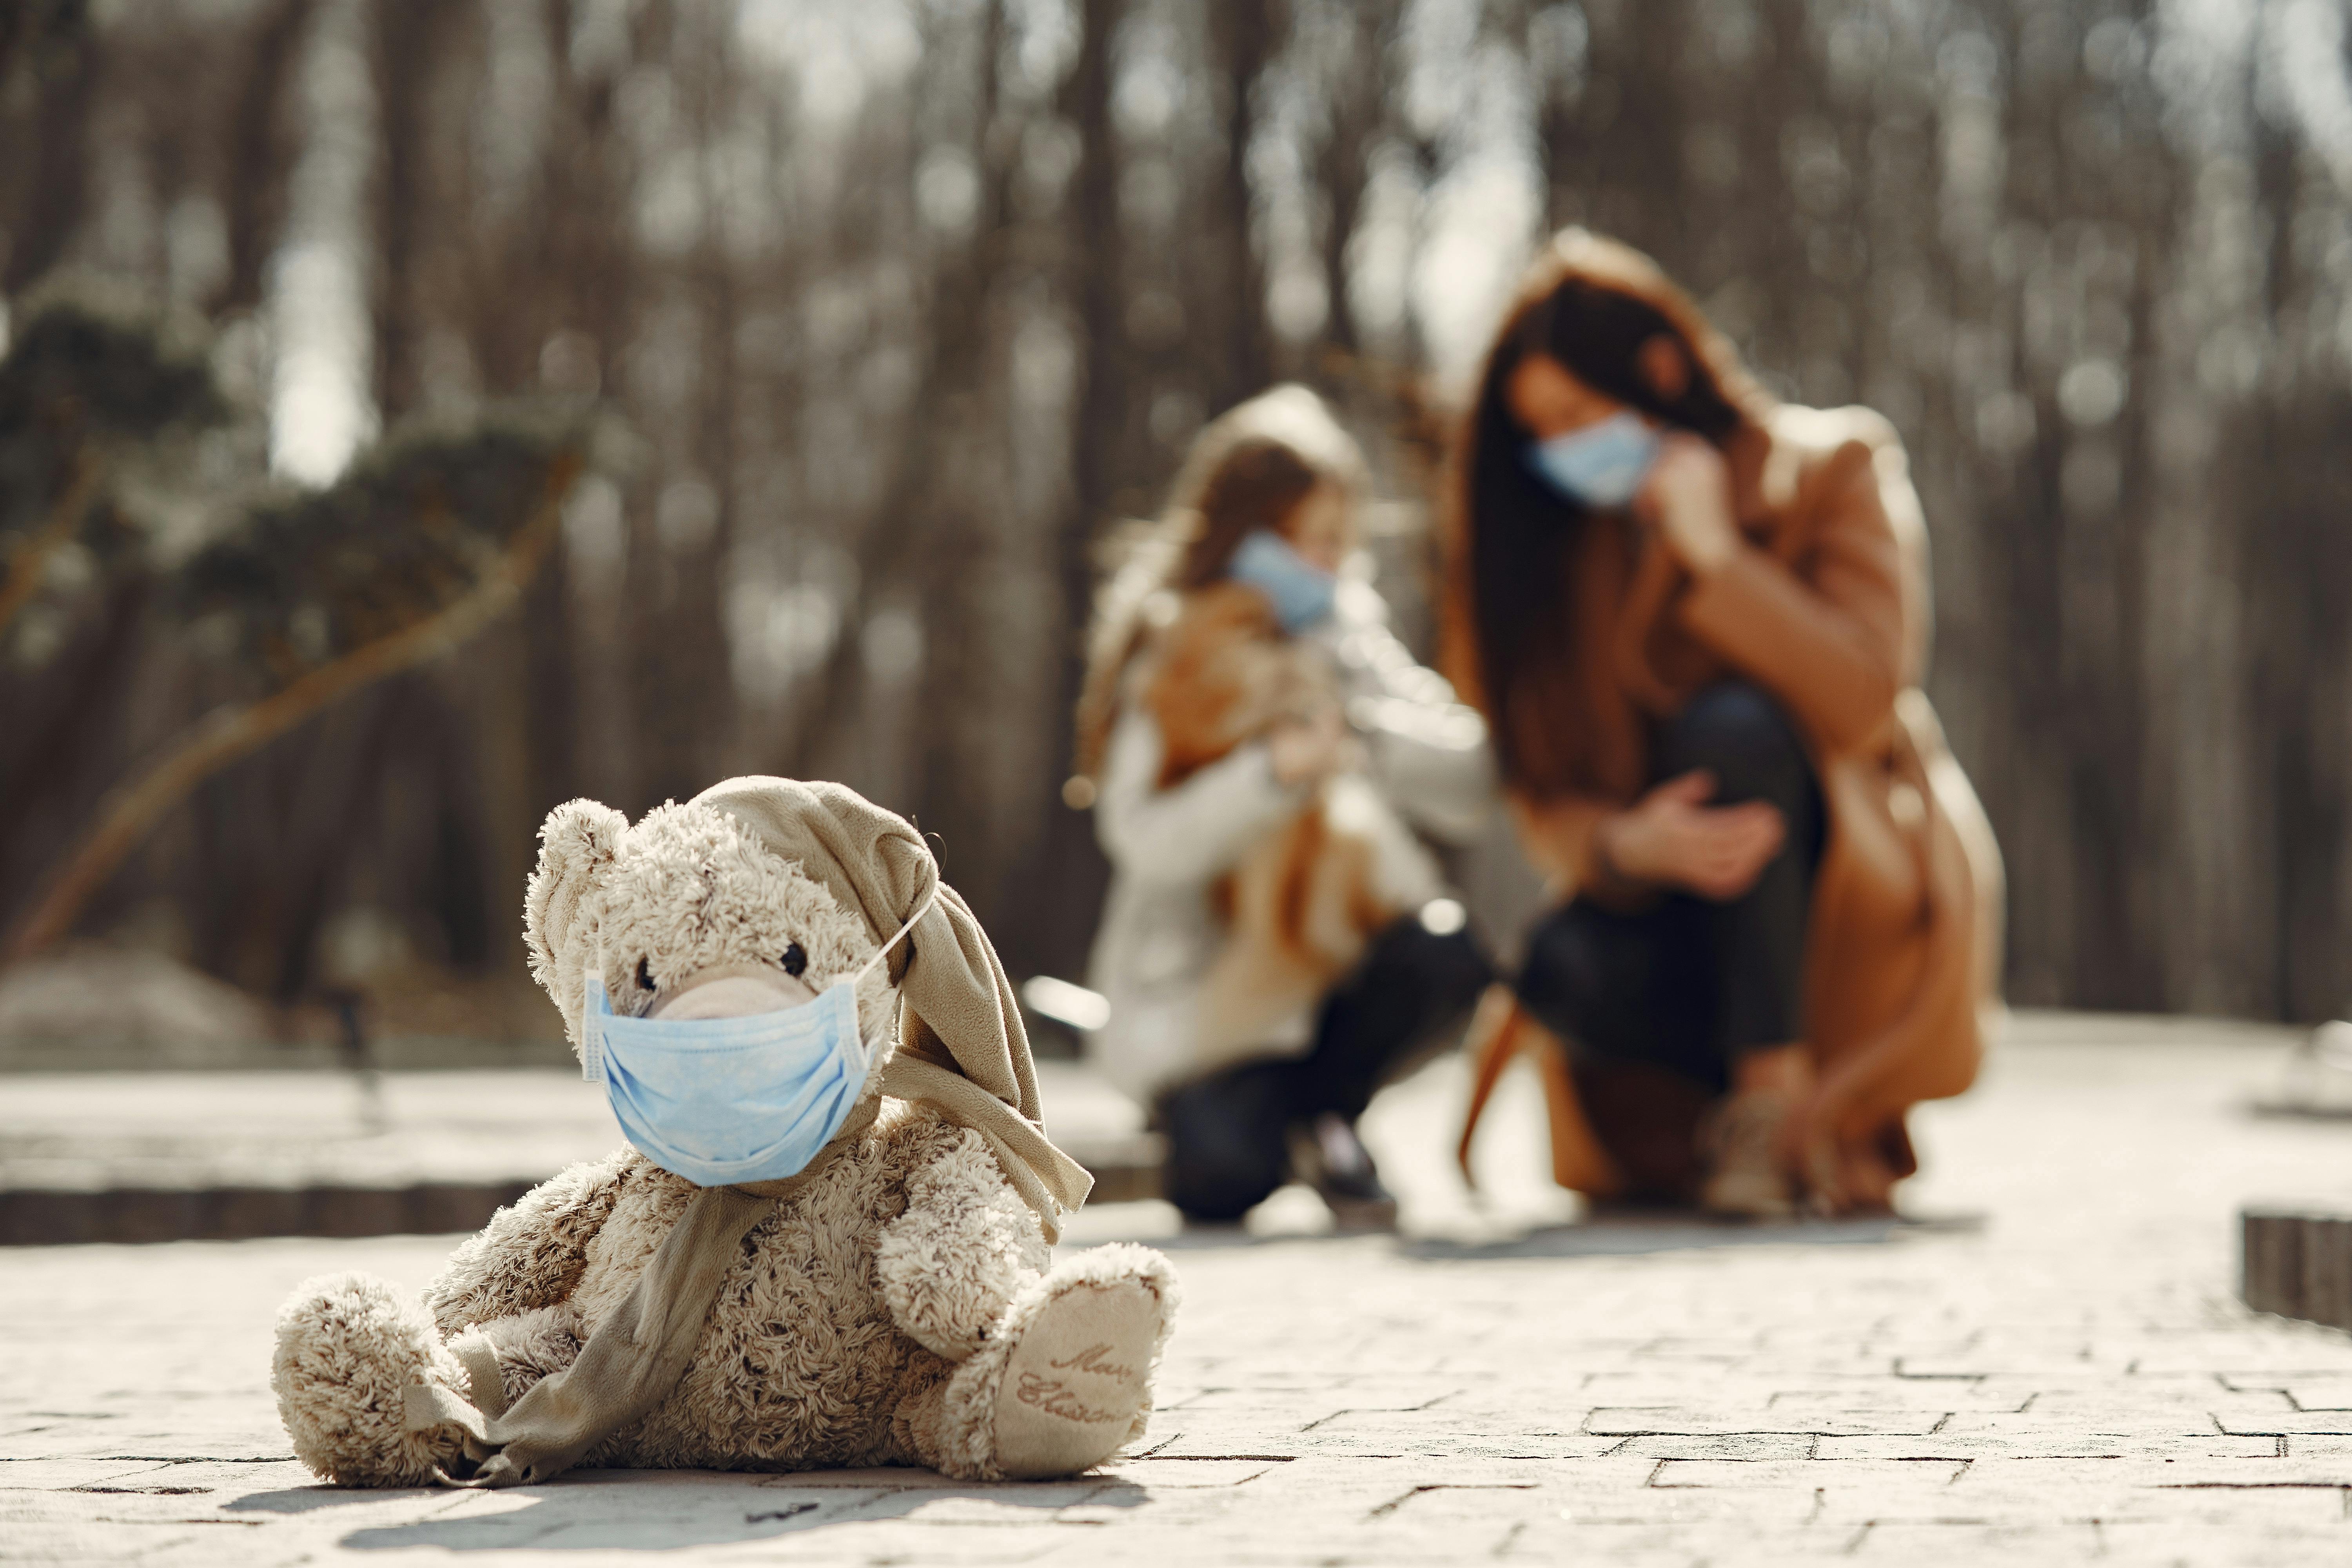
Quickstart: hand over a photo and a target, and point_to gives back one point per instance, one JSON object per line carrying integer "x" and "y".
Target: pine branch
{"x": 230, "y": 732}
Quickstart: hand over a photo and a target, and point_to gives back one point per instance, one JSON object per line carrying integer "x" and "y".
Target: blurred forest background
{"x": 903, "y": 303}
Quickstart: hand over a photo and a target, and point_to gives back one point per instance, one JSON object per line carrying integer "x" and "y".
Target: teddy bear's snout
{"x": 732, "y": 993}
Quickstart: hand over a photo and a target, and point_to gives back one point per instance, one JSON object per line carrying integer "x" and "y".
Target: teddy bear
{"x": 887, "y": 1297}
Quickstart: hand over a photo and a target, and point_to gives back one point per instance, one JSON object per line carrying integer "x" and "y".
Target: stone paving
{"x": 2052, "y": 1369}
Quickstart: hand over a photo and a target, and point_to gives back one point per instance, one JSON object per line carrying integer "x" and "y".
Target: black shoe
{"x": 1329, "y": 1157}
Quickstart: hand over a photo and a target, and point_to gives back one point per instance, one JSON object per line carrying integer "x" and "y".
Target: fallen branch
{"x": 230, "y": 732}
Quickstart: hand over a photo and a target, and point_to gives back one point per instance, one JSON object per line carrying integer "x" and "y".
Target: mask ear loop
{"x": 882, "y": 951}
{"x": 879, "y": 954}
{"x": 591, "y": 1024}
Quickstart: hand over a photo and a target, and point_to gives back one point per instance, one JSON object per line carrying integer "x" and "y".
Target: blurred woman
{"x": 1262, "y": 756}
{"x": 1697, "y": 619}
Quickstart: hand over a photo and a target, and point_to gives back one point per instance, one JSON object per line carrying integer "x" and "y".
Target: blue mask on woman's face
{"x": 1302, "y": 592}
{"x": 1601, "y": 464}
{"x": 720, "y": 1101}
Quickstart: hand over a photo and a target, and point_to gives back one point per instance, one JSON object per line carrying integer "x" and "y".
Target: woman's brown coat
{"x": 1827, "y": 608}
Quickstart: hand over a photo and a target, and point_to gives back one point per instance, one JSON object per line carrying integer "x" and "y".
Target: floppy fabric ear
{"x": 579, "y": 839}
{"x": 964, "y": 1049}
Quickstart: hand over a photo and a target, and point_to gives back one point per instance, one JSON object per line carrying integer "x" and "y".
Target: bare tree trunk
{"x": 2290, "y": 476}
{"x": 321, "y": 831}
{"x": 686, "y": 719}
{"x": 576, "y": 714}
{"x": 966, "y": 650}
{"x": 1097, "y": 267}
{"x": 1243, "y": 35}
{"x": 409, "y": 35}
{"x": 260, "y": 152}
{"x": 66, "y": 64}
{"x": 1060, "y": 928}
{"x": 950, "y": 366}
{"x": 1616, "y": 156}
{"x": 57, "y": 743}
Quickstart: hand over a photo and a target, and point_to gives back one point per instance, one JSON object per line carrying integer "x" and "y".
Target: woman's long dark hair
{"x": 1592, "y": 305}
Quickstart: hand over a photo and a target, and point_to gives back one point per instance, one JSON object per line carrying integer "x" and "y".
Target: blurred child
{"x": 1262, "y": 755}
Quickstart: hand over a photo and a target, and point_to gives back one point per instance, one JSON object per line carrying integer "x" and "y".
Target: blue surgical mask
{"x": 1601, "y": 464}
{"x": 720, "y": 1101}
{"x": 1302, "y": 592}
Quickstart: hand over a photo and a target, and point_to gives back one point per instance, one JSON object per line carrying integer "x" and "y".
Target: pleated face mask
{"x": 1303, "y": 593}
{"x": 1601, "y": 464}
{"x": 722, "y": 1100}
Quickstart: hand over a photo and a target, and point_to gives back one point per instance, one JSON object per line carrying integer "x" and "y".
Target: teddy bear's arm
{"x": 529, "y": 1255}
{"x": 965, "y": 1246}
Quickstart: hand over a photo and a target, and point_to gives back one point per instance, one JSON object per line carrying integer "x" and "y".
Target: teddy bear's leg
{"x": 347, "y": 1348}
{"x": 917, "y": 1422}
{"x": 1064, "y": 1380}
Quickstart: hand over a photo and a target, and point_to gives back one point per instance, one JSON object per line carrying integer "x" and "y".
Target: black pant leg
{"x": 1228, "y": 1138}
{"x": 1412, "y": 984}
{"x": 1738, "y": 732}
{"x": 1627, "y": 988}
{"x": 1229, "y": 1133}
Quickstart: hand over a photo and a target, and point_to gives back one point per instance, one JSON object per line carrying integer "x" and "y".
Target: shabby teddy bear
{"x": 828, "y": 1244}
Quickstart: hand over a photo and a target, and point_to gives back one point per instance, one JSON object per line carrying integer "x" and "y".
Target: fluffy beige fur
{"x": 874, "y": 1311}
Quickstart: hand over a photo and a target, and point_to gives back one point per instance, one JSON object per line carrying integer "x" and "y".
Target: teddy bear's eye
{"x": 644, "y": 975}
{"x": 796, "y": 960}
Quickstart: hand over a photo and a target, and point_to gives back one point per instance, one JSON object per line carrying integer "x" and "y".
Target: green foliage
{"x": 85, "y": 369}
{"x": 409, "y": 529}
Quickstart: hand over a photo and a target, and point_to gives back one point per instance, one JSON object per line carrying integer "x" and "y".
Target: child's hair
{"x": 1248, "y": 470}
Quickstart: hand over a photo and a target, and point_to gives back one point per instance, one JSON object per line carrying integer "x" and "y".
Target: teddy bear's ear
{"x": 577, "y": 842}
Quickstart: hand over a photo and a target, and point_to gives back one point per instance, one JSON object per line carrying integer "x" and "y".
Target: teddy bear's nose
{"x": 733, "y": 995}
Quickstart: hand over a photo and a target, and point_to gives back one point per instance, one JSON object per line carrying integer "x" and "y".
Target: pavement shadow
{"x": 1610, "y": 1232}
{"x": 1637, "y": 1232}
{"x": 311, "y": 1499}
{"x": 663, "y": 1511}
{"x": 1200, "y": 1237}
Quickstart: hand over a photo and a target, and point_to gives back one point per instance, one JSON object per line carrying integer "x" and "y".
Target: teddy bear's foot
{"x": 1076, "y": 1382}
{"x": 1064, "y": 1380}
{"x": 347, "y": 1349}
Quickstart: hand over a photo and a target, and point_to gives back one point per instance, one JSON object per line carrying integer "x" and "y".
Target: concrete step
{"x": 2297, "y": 1262}
{"x": 228, "y": 1155}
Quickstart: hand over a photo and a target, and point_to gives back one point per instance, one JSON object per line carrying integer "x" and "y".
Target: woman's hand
{"x": 1672, "y": 836}
{"x": 1687, "y": 498}
{"x": 1311, "y": 747}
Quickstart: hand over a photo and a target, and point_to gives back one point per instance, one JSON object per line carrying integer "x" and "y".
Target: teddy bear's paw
{"x": 347, "y": 1349}
{"x": 1076, "y": 1383}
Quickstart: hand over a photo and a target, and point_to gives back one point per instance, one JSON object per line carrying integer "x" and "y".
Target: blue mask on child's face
{"x": 1601, "y": 464}
{"x": 720, "y": 1101}
{"x": 1302, "y": 592}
